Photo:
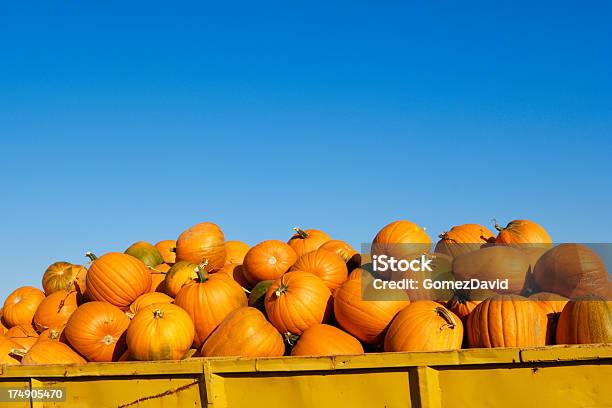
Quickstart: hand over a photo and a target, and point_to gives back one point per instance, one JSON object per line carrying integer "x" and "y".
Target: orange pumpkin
{"x": 494, "y": 262}
{"x": 506, "y": 321}
{"x": 326, "y": 340}
{"x": 462, "y": 306}
{"x": 351, "y": 257}
{"x": 55, "y": 334}
{"x": 146, "y": 300}
{"x": 64, "y": 276}
{"x": 572, "y": 270}
{"x": 236, "y": 271}
{"x": 160, "y": 331}
{"x": 304, "y": 241}
{"x": 327, "y": 265}
{"x": 209, "y": 300}
{"x": 296, "y": 301}
{"x": 202, "y": 243}
{"x": 24, "y": 335}
{"x": 117, "y": 279}
{"x": 244, "y": 333}
{"x": 235, "y": 252}
{"x": 158, "y": 277}
{"x": 401, "y": 240}
{"x": 7, "y": 347}
{"x": 20, "y": 306}
{"x": 552, "y": 305}
{"x": 363, "y": 318}
{"x": 462, "y": 239}
{"x": 55, "y": 310}
{"x": 268, "y": 260}
{"x": 522, "y": 232}
{"x": 51, "y": 352}
{"x": 180, "y": 274}
{"x": 147, "y": 253}
{"x": 97, "y": 331}
{"x": 3, "y": 325}
{"x": 584, "y": 321}
{"x": 424, "y": 326}
{"x": 167, "y": 249}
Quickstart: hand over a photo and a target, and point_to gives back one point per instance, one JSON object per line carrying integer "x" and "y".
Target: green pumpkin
{"x": 146, "y": 252}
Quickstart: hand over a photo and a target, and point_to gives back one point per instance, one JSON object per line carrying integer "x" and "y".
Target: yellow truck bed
{"x": 555, "y": 376}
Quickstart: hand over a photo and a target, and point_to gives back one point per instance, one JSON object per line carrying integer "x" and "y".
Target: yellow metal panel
{"x": 127, "y": 392}
{"x": 568, "y": 386}
{"x": 314, "y": 389}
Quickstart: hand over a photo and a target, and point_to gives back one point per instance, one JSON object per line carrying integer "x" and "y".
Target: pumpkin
{"x": 3, "y": 325}
{"x": 552, "y": 305}
{"x": 245, "y": 332}
{"x": 441, "y": 271}
{"x": 20, "y": 306}
{"x": 462, "y": 239}
{"x": 117, "y": 279}
{"x": 506, "y": 321}
{"x": 584, "y": 321}
{"x": 146, "y": 300}
{"x": 268, "y": 260}
{"x": 167, "y": 249}
{"x": 494, "y": 262}
{"x": 158, "y": 277}
{"x": 326, "y": 340}
{"x": 160, "y": 331}
{"x": 571, "y": 270}
{"x": 462, "y": 306}
{"x": 7, "y": 346}
{"x": 360, "y": 315}
{"x": 55, "y": 310}
{"x": 51, "y": 352}
{"x": 54, "y": 334}
{"x": 351, "y": 257}
{"x": 296, "y": 301}
{"x": 147, "y": 253}
{"x": 258, "y": 295}
{"x": 64, "y": 276}
{"x": 304, "y": 241}
{"x": 424, "y": 326}
{"x": 236, "y": 272}
{"x": 401, "y": 240}
{"x": 24, "y": 335}
{"x": 180, "y": 274}
{"x": 327, "y": 265}
{"x": 235, "y": 252}
{"x": 202, "y": 242}
{"x": 522, "y": 232}
{"x": 209, "y": 300}
{"x": 97, "y": 331}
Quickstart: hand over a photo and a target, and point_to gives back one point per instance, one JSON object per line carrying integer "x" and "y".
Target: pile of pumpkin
{"x": 203, "y": 296}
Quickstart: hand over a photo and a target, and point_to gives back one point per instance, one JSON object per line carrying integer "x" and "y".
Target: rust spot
{"x": 163, "y": 394}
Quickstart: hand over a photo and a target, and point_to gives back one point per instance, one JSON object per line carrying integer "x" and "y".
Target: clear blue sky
{"x": 124, "y": 121}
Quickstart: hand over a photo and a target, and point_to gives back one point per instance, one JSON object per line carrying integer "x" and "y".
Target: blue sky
{"x": 127, "y": 121}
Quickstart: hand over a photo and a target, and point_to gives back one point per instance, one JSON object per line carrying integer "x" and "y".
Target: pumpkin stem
{"x": 158, "y": 314}
{"x": 130, "y": 315}
{"x": 300, "y": 232}
{"x": 446, "y": 315}
{"x": 291, "y": 338}
{"x": 18, "y": 352}
{"x": 497, "y": 226}
{"x": 281, "y": 289}
{"x": 201, "y": 272}
{"x": 91, "y": 256}
{"x": 443, "y": 235}
{"x": 173, "y": 249}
